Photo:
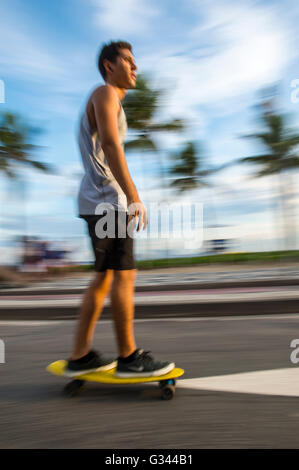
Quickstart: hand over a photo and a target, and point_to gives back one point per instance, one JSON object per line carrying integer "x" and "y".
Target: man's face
{"x": 124, "y": 70}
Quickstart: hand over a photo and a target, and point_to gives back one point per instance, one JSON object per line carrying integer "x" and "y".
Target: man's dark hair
{"x": 110, "y": 52}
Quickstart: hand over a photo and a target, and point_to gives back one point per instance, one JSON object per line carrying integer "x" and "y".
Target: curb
{"x": 162, "y": 287}
{"x": 210, "y": 309}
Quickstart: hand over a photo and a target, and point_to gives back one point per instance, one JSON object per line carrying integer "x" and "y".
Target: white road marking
{"x": 277, "y": 382}
{"x": 32, "y": 322}
{"x": 292, "y": 316}
{"x": 282, "y": 382}
{"x": 154, "y": 298}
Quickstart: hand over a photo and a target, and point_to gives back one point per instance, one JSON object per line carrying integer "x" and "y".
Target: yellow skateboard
{"x": 167, "y": 382}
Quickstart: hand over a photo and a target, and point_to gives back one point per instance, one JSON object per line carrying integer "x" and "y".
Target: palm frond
{"x": 142, "y": 143}
{"x": 257, "y": 159}
{"x": 15, "y": 145}
{"x": 175, "y": 125}
{"x": 184, "y": 184}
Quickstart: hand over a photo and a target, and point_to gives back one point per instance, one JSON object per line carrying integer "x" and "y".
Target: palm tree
{"x": 188, "y": 170}
{"x": 14, "y": 145}
{"x": 141, "y": 106}
{"x": 16, "y": 150}
{"x": 280, "y": 158}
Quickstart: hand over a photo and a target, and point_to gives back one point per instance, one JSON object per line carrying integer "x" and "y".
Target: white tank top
{"x": 98, "y": 183}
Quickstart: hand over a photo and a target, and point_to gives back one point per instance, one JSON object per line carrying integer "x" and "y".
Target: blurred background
{"x": 213, "y": 122}
{"x": 213, "y": 119}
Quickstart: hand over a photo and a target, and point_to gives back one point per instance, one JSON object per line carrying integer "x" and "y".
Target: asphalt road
{"x": 35, "y": 414}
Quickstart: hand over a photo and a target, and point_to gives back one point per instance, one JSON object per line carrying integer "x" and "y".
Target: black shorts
{"x": 111, "y": 253}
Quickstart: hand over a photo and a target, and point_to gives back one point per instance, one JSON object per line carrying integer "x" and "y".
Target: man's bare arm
{"x": 106, "y": 108}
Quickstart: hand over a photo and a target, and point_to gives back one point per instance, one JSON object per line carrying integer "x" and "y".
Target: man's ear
{"x": 108, "y": 66}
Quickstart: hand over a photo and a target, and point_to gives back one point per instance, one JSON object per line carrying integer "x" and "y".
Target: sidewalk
{"x": 172, "y": 292}
{"x": 193, "y": 277}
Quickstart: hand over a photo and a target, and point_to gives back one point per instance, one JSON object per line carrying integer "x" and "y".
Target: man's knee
{"x": 103, "y": 280}
{"x": 125, "y": 276}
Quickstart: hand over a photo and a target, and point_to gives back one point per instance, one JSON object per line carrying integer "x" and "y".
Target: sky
{"x": 210, "y": 57}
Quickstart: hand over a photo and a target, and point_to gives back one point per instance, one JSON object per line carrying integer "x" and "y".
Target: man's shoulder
{"x": 102, "y": 91}
{"x": 103, "y": 96}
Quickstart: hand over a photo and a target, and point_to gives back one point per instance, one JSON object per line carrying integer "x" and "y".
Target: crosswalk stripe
{"x": 281, "y": 382}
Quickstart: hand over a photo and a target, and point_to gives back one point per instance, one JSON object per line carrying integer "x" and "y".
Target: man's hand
{"x": 137, "y": 209}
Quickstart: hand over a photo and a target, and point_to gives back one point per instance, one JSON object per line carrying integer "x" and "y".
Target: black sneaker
{"x": 92, "y": 362}
{"x": 142, "y": 365}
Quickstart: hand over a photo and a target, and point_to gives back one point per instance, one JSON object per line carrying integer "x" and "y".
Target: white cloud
{"x": 232, "y": 51}
{"x": 124, "y": 17}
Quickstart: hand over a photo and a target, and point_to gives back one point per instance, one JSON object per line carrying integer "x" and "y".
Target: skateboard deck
{"x": 166, "y": 382}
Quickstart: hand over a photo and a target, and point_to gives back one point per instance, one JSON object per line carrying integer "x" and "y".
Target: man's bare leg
{"x": 122, "y": 304}
{"x": 90, "y": 311}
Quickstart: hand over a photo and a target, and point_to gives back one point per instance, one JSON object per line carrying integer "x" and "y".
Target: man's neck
{"x": 121, "y": 92}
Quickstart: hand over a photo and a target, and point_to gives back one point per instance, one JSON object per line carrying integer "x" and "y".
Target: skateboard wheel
{"x": 163, "y": 383}
{"x": 168, "y": 392}
{"x": 72, "y": 388}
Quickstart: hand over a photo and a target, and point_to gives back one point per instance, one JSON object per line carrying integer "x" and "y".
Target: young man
{"x": 107, "y": 180}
